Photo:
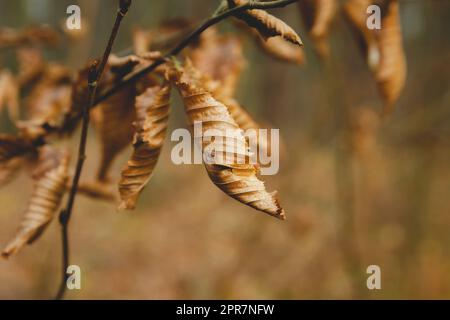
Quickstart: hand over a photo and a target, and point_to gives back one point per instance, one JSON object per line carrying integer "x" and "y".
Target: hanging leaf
{"x": 318, "y": 16}
{"x": 39, "y": 34}
{"x": 266, "y": 24}
{"x": 383, "y": 48}
{"x": 50, "y": 178}
{"x": 220, "y": 58}
{"x": 391, "y": 73}
{"x": 50, "y": 98}
{"x": 13, "y": 146}
{"x": 152, "y": 114}
{"x": 113, "y": 120}
{"x": 236, "y": 178}
{"x": 9, "y": 94}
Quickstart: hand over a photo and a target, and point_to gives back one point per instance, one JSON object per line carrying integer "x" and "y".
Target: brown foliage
{"x": 233, "y": 174}
{"x": 49, "y": 177}
{"x": 383, "y": 48}
{"x": 267, "y": 24}
{"x": 152, "y": 115}
{"x": 318, "y": 16}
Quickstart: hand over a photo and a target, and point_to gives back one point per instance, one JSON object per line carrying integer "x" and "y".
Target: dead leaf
{"x": 50, "y": 178}
{"x": 318, "y": 16}
{"x": 383, "y": 48}
{"x": 236, "y": 178}
{"x": 267, "y": 24}
{"x": 152, "y": 114}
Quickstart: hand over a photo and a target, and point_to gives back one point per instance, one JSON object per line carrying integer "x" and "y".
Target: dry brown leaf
{"x": 391, "y": 73}
{"x": 152, "y": 114}
{"x": 383, "y": 48}
{"x": 9, "y": 94}
{"x": 50, "y": 178}
{"x": 113, "y": 120}
{"x": 238, "y": 180}
{"x": 50, "y": 98}
{"x": 281, "y": 50}
{"x": 318, "y": 16}
{"x": 219, "y": 57}
{"x": 267, "y": 24}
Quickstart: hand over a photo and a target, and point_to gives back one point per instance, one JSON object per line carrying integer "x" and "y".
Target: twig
{"x": 95, "y": 74}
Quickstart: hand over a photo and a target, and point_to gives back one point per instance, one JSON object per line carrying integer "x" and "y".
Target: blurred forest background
{"x": 357, "y": 190}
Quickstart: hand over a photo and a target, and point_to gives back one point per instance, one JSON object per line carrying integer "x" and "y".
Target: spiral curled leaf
{"x": 152, "y": 115}
{"x": 50, "y": 178}
{"x": 232, "y": 173}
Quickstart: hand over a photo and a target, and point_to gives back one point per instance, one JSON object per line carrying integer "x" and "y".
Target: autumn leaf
{"x": 152, "y": 114}
{"x": 266, "y": 24}
{"x": 318, "y": 16}
{"x": 49, "y": 178}
{"x": 236, "y": 179}
{"x": 220, "y": 58}
{"x": 50, "y": 98}
{"x": 383, "y": 48}
{"x": 113, "y": 120}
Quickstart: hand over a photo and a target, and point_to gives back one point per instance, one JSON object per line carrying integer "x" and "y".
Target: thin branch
{"x": 95, "y": 74}
{"x": 216, "y": 18}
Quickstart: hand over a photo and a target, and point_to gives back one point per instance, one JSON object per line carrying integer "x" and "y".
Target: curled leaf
{"x": 50, "y": 98}
{"x": 50, "y": 178}
{"x": 281, "y": 50}
{"x": 221, "y": 133}
{"x": 152, "y": 114}
{"x": 383, "y": 48}
{"x": 267, "y": 24}
{"x": 318, "y": 16}
{"x": 113, "y": 120}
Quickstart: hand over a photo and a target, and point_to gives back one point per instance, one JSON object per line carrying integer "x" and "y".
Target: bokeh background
{"x": 357, "y": 190}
